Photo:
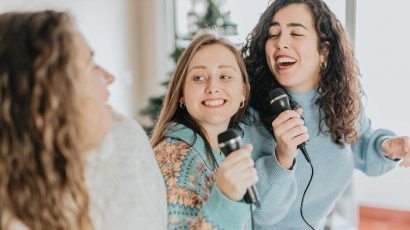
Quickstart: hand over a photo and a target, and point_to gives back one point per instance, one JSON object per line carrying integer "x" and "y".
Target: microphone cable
{"x": 305, "y": 153}
{"x": 252, "y": 224}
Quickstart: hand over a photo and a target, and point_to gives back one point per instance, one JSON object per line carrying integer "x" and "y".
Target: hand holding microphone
{"x": 237, "y": 174}
{"x": 288, "y": 126}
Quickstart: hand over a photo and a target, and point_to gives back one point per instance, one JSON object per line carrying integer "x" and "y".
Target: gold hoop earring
{"x": 323, "y": 65}
{"x": 242, "y": 104}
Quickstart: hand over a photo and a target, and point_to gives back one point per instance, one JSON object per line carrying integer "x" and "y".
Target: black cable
{"x": 252, "y": 225}
{"x": 305, "y": 153}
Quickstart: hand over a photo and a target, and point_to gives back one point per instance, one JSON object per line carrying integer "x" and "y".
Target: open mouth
{"x": 214, "y": 102}
{"x": 285, "y": 62}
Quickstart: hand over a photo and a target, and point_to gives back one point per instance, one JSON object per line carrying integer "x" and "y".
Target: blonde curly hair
{"x": 41, "y": 167}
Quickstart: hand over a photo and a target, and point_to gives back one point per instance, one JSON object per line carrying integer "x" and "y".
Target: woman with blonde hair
{"x": 208, "y": 93}
{"x": 52, "y": 112}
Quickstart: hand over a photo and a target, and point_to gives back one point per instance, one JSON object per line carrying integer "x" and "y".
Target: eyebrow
{"x": 292, "y": 24}
{"x": 227, "y": 66}
{"x": 219, "y": 67}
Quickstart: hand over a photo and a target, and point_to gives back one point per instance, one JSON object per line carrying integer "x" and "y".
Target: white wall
{"x": 383, "y": 45}
{"x": 129, "y": 41}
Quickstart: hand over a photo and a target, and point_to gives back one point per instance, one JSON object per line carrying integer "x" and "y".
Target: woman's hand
{"x": 237, "y": 173}
{"x": 397, "y": 148}
{"x": 289, "y": 132}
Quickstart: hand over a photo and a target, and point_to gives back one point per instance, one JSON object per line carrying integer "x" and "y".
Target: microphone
{"x": 279, "y": 102}
{"x": 230, "y": 141}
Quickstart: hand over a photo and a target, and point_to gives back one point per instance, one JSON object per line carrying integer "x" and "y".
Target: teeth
{"x": 285, "y": 60}
{"x": 214, "y": 102}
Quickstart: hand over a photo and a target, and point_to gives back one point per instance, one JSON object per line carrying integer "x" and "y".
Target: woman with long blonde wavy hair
{"x": 52, "y": 112}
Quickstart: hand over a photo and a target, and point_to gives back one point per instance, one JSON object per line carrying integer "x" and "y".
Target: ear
{"x": 246, "y": 87}
{"x": 182, "y": 99}
{"x": 324, "y": 52}
{"x": 244, "y": 92}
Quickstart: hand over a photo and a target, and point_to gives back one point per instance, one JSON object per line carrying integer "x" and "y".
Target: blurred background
{"x": 139, "y": 40}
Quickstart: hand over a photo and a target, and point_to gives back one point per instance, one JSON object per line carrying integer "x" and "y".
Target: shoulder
{"x": 128, "y": 133}
{"x": 178, "y": 156}
{"x": 125, "y": 126}
{"x": 252, "y": 124}
{"x": 171, "y": 150}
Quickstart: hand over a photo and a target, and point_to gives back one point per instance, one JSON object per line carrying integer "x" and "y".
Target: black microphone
{"x": 229, "y": 141}
{"x": 279, "y": 102}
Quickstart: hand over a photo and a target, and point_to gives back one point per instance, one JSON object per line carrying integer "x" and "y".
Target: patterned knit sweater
{"x": 281, "y": 189}
{"x": 193, "y": 200}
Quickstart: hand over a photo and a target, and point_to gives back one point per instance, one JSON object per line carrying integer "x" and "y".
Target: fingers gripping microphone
{"x": 279, "y": 102}
{"x": 230, "y": 141}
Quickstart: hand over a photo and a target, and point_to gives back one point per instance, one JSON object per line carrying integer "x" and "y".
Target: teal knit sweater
{"x": 281, "y": 189}
{"x": 194, "y": 202}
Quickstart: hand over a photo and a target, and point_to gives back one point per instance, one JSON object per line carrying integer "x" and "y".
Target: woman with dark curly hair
{"x": 301, "y": 47}
{"x": 52, "y": 112}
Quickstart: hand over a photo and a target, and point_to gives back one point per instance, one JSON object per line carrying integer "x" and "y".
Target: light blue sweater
{"x": 281, "y": 189}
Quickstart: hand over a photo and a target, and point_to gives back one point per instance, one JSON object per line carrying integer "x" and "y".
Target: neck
{"x": 213, "y": 132}
{"x": 307, "y": 86}
{"x": 303, "y": 89}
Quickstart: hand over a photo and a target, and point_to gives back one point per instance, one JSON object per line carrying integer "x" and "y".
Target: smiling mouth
{"x": 285, "y": 62}
{"x": 214, "y": 103}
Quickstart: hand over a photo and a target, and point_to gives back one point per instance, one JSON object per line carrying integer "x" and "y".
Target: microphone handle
{"x": 302, "y": 148}
{"x": 251, "y": 195}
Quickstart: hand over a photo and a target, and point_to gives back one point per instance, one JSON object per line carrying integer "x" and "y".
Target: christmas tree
{"x": 212, "y": 17}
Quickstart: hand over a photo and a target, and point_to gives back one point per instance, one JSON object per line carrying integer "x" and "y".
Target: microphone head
{"x": 279, "y": 101}
{"x": 228, "y": 135}
{"x": 276, "y": 93}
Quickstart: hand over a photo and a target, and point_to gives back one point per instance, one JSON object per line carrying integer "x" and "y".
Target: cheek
{"x": 308, "y": 50}
{"x": 191, "y": 93}
{"x": 236, "y": 91}
{"x": 269, "y": 48}
{"x": 269, "y": 52}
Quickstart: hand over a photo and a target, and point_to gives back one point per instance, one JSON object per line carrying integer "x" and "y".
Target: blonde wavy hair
{"x": 41, "y": 167}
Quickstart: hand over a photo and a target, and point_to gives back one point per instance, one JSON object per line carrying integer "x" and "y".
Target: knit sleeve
{"x": 193, "y": 201}
{"x": 277, "y": 188}
{"x": 367, "y": 151}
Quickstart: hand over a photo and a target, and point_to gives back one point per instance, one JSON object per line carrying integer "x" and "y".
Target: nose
{"x": 108, "y": 77}
{"x": 212, "y": 86}
{"x": 282, "y": 42}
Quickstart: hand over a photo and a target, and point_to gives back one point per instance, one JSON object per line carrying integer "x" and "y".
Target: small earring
{"x": 181, "y": 105}
{"x": 323, "y": 65}
{"x": 242, "y": 104}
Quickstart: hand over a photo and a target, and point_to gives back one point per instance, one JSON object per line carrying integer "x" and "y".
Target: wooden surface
{"x": 383, "y": 219}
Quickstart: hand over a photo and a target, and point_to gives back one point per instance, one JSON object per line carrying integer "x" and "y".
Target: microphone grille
{"x": 228, "y": 135}
{"x": 276, "y": 93}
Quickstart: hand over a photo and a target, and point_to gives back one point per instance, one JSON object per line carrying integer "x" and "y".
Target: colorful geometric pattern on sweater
{"x": 189, "y": 183}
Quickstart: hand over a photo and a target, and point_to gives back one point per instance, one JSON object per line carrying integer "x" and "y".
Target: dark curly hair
{"x": 339, "y": 87}
{"x": 41, "y": 166}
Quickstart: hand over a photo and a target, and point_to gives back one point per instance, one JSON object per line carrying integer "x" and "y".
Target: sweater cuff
{"x": 224, "y": 210}
{"x": 379, "y": 149}
{"x": 273, "y": 171}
